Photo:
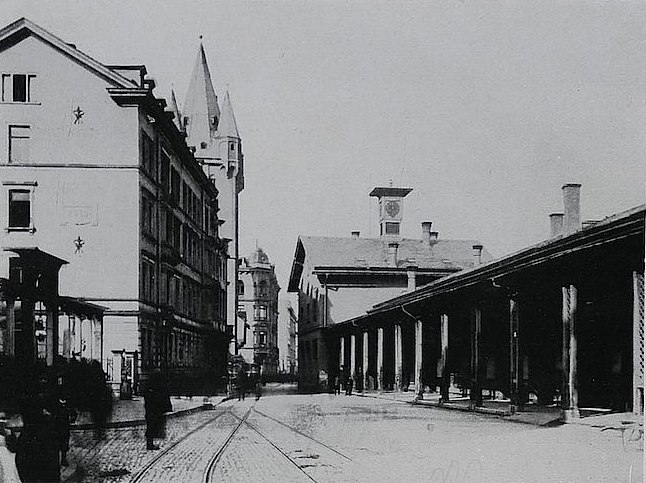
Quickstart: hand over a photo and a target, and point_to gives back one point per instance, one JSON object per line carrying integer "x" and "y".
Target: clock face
{"x": 391, "y": 208}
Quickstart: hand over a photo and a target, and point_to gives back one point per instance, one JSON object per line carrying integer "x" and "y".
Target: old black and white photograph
{"x": 322, "y": 240}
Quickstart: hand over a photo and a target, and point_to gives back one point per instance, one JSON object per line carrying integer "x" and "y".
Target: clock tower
{"x": 391, "y": 207}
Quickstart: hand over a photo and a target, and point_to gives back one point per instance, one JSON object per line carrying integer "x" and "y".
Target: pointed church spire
{"x": 174, "y": 108}
{"x": 228, "y": 126}
{"x": 201, "y": 111}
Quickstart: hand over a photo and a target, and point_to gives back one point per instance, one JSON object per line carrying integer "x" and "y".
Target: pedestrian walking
{"x": 258, "y": 387}
{"x": 38, "y": 446}
{"x": 241, "y": 383}
{"x": 156, "y": 402}
{"x": 348, "y": 385}
{"x": 337, "y": 385}
{"x": 343, "y": 379}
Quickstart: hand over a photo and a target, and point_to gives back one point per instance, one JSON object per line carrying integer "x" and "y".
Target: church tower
{"x": 212, "y": 135}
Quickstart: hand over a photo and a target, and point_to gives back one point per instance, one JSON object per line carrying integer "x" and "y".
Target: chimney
{"x": 477, "y": 254}
{"x": 411, "y": 271}
{"x": 556, "y": 224}
{"x": 572, "y": 208}
{"x": 426, "y": 231}
{"x": 355, "y": 234}
{"x": 433, "y": 236}
{"x": 392, "y": 254}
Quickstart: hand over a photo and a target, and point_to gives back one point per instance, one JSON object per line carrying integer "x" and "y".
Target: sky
{"x": 485, "y": 109}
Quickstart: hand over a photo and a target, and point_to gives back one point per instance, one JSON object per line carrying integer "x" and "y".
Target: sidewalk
{"x": 124, "y": 414}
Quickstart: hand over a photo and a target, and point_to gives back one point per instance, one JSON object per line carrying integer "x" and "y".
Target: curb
{"x": 126, "y": 423}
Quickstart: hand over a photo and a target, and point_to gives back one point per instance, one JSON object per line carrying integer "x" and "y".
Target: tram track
{"x": 143, "y": 473}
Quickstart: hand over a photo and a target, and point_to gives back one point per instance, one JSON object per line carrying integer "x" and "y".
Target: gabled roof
{"x": 201, "y": 105}
{"x": 227, "y": 126}
{"x": 23, "y": 28}
{"x": 329, "y": 253}
{"x": 615, "y": 227}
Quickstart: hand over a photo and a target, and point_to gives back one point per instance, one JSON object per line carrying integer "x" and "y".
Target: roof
{"x": 618, "y": 226}
{"x": 390, "y": 191}
{"x": 372, "y": 253}
{"x": 23, "y": 28}
{"x": 201, "y": 105}
{"x": 227, "y": 126}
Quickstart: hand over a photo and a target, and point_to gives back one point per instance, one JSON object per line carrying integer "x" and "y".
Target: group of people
{"x": 245, "y": 383}
{"x": 48, "y": 404}
{"x": 343, "y": 381}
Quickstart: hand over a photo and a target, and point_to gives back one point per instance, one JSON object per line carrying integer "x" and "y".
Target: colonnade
{"x": 509, "y": 313}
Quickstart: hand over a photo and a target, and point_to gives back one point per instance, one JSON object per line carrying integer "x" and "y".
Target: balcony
{"x": 170, "y": 254}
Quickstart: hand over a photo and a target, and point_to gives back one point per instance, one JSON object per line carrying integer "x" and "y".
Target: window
{"x": 18, "y": 87}
{"x": 262, "y": 339}
{"x": 165, "y": 170}
{"x": 148, "y": 158}
{"x": 19, "y": 209}
{"x": 262, "y": 289}
{"x": 392, "y": 228}
{"x": 260, "y": 312}
{"x": 240, "y": 287}
{"x": 19, "y": 144}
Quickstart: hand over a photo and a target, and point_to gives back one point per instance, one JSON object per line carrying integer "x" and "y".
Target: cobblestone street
{"x": 340, "y": 438}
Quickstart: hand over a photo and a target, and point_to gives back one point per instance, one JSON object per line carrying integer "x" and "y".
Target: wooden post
{"x": 443, "y": 366}
{"x": 11, "y": 328}
{"x": 380, "y": 359}
{"x": 51, "y": 331}
{"x": 514, "y": 356}
{"x": 365, "y": 361}
{"x": 570, "y": 403}
{"x": 398, "y": 357}
{"x": 638, "y": 343}
{"x": 353, "y": 358}
{"x": 419, "y": 386}
{"x": 476, "y": 328}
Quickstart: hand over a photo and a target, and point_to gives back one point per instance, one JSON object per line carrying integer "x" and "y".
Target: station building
{"x": 556, "y": 325}
{"x": 339, "y": 278}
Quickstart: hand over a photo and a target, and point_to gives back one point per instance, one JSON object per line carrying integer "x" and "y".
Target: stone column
{"x": 443, "y": 366}
{"x": 419, "y": 386}
{"x": 638, "y": 343}
{"x": 67, "y": 339}
{"x": 98, "y": 339}
{"x": 341, "y": 352}
{"x": 476, "y": 328}
{"x": 514, "y": 356}
{"x": 570, "y": 400}
{"x": 353, "y": 358}
{"x": 365, "y": 361}
{"x": 51, "y": 332}
{"x": 398, "y": 357}
{"x": 380, "y": 359}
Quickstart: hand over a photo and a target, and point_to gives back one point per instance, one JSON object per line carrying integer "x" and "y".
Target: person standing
{"x": 38, "y": 446}
{"x": 348, "y": 384}
{"x": 241, "y": 383}
{"x": 156, "y": 402}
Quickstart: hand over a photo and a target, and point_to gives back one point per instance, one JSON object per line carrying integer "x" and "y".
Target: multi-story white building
{"x": 258, "y": 307}
{"x": 94, "y": 171}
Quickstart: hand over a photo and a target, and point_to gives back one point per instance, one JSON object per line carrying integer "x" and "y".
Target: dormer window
{"x": 202, "y": 145}
{"x": 232, "y": 146}
{"x": 18, "y": 87}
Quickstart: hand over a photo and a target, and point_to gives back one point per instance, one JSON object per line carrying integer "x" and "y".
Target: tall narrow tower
{"x": 212, "y": 134}
{"x": 391, "y": 209}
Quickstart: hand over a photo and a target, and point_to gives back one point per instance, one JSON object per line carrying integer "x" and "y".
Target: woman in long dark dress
{"x": 38, "y": 447}
{"x": 157, "y": 402}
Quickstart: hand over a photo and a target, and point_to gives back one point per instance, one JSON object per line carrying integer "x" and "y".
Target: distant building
{"x": 340, "y": 278}
{"x": 95, "y": 172}
{"x": 212, "y": 135}
{"x": 258, "y": 307}
{"x": 287, "y": 329}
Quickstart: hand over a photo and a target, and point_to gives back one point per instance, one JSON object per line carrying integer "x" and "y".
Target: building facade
{"x": 95, "y": 172}
{"x": 212, "y": 135}
{"x": 258, "y": 307}
{"x": 287, "y": 343}
{"x": 338, "y": 279}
